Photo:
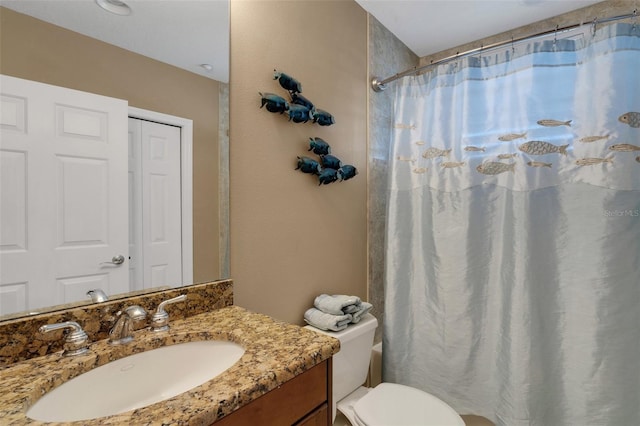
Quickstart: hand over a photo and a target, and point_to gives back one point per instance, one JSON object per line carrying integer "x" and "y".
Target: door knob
{"x": 116, "y": 260}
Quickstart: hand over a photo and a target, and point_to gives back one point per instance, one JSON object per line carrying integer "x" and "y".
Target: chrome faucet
{"x": 122, "y": 331}
{"x": 97, "y": 295}
{"x": 160, "y": 319}
{"x": 76, "y": 341}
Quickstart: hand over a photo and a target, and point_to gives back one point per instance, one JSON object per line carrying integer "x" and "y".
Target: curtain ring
{"x": 593, "y": 27}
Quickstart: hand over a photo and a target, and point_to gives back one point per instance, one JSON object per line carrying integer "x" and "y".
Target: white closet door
{"x": 156, "y": 176}
{"x": 136, "y": 272}
{"x": 63, "y": 195}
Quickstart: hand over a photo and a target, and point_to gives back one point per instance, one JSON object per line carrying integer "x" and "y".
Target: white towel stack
{"x": 336, "y": 312}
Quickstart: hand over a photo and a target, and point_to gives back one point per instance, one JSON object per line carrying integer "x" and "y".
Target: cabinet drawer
{"x": 317, "y": 418}
{"x": 287, "y": 404}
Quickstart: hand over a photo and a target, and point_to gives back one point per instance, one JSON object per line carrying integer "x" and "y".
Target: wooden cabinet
{"x": 304, "y": 400}
{"x": 318, "y": 417}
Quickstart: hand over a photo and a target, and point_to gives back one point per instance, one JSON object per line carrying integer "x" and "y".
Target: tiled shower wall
{"x": 387, "y": 56}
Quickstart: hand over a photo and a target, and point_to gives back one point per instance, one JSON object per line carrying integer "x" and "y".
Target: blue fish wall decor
{"x": 330, "y": 162}
{"x": 323, "y": 118}
{"x": 327, "y": 176}
{"x": 298, "y": 113}
{"x": 319, "y": 146}
{"x": 346, "y": 172}
{"x": 298, "y": 99}
{"x": 308, "y": 165}
{"x": 287, "y": 82}
{"x": 274, "y": 103}
{"x": 328, "y": 167}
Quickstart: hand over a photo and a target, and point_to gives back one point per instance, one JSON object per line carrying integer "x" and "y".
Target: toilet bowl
{"x": 388, "y": 404}
{"x": 391, "y": 404}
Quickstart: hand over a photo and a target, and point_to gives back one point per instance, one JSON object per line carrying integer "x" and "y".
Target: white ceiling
{"x": 187, "y": 33}
{"x": 183, "y": 33}
{"x": 430, "y": 26}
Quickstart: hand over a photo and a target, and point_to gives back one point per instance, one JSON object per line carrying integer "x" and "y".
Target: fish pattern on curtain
{"x": 512, "y": 285}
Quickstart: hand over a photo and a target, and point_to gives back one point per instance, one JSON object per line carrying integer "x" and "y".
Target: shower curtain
{"x": 512, "y": 286}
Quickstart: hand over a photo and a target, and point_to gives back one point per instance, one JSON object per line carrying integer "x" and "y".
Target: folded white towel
{"x": 338, "y": 304}
{"x": 324, "y": 321}
{"x": 363, "y": 308}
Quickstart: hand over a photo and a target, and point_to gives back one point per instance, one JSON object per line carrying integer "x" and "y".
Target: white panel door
{"x": 63, "y": 195}
{"x": 156, "y": 237}
{"x": 136, "y": 265}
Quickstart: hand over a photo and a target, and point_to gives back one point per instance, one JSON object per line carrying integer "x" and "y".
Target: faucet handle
{"x": 76, "y": 340}
{"x": 160, "y": 319}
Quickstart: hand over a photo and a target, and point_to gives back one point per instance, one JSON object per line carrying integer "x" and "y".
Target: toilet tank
{"x": 351, "y": 364}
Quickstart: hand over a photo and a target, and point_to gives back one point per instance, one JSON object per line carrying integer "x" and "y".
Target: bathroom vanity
{"x": 283, "y": 377}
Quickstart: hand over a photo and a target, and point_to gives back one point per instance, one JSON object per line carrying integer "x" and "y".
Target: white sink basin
{"x": 136, "y": 381}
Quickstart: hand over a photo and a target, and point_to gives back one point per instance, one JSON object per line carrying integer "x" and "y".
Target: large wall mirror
{"x": 170, "y": 61}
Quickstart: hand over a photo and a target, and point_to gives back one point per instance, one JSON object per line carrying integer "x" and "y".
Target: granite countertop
{"x": 275, "y": 352}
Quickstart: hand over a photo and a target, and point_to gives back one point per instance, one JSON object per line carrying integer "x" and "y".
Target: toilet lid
{"x": 390, "y": 404}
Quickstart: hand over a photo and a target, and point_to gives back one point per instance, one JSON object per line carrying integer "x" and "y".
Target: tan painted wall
{"x": 35, "y": 50}
{"x": 290, "y": 238}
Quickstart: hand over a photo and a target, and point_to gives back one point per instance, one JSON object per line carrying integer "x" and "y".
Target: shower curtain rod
{"x": 379, "y": 85}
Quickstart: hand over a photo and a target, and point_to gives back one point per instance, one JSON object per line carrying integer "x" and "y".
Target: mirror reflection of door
{"x": 62, "y": 201}
{"x": 67, "y": 149}
{"x": 154, "y": 205}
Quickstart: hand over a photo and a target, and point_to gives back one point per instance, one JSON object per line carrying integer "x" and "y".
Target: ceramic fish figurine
{"x": 474, "y": 148}
{"x": 298, "y": 113}
{"x": 346, "y": 172}
{"x": 554, "y": 123}
{"x": 541, "y": 148}
{"x": 308, "y": 165}
{"x": 322, "y": 117}
{"x": 512, "y": 137}
{"x": 435, "y": 152}
{"x": 589, "y": 139}
{"x": 631, "y": 118}
{"x": 593, "y": 161}
{"x": 274, "y": 103}
{"x": 507, "y": 156}
{"x": 420, "y": 143}
{"x": 330, "y": 162}
{"x": 420, "y": 170}
{"x": 452, "y": 164}
{"x": 539, "y": 164}
{"x": 298, "y": 99}
{"x": 624, "y": 147}
{"x": 319, "y": 146}
{"x": 495, "y": 168}
{"x": 326, "y": 176}
{"x": 287, "y": 82}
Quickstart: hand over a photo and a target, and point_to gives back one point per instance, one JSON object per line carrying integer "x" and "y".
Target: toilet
{"x": 388, "y": 404}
